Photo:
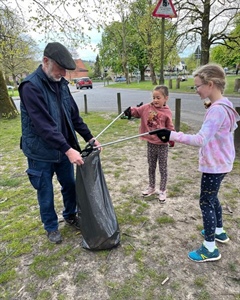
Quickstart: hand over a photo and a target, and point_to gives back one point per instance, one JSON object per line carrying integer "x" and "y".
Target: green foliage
{"x": 228, "y": 54}
{"x": 97, "y": 68}
{"x": 134, "y": 42}
{"x": 17, "y": 50}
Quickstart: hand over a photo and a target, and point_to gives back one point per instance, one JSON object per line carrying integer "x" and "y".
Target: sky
{"x": 84, "y": 53}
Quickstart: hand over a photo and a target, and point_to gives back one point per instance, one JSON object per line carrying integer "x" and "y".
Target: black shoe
{"x": 54, "y": 237}
{"x": 74, "y": 221}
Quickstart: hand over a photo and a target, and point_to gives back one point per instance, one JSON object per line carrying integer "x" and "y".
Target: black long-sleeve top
{"x": 44, "y": 125}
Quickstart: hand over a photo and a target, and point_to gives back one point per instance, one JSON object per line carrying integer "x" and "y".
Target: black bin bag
{"x": 99, "y": 225}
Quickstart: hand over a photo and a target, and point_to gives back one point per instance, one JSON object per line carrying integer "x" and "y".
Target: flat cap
{"x": 60, "y": 55}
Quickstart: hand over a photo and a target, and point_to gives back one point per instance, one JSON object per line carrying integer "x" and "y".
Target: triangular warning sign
{"x": 164, "y": 9}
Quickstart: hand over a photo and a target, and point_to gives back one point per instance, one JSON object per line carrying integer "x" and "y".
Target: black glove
{"x": 163, "y": 134}
{"x": 140, "y": 104}
{"x": 127, "y": 112}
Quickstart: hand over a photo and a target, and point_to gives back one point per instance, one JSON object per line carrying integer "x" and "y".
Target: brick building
{"x": 80, "y": 71}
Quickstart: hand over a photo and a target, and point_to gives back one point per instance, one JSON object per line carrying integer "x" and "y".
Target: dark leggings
{"x": 157, "y": 153}
{"x": 209, "y": 204}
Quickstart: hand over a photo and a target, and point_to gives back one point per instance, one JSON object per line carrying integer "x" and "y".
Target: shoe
{"x": 162, "y": 196}
{"x": 202, "y": 255}
{"x": 74, "y": 221}
{"x": 54, "y": 237}
{"x": 221, "y": 238}
{"x": 148, "y": 192}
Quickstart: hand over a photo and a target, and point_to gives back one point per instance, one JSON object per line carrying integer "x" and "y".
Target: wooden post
{"x": 170, "y": 83}
{"x": 237, "y": 85}
{"x": 177, "y": 113}
{"x": 178, "y": 80}
{"x": 85, "y": 104}
{"x": 119, "y": 103}
{"x": 237, "y": 136}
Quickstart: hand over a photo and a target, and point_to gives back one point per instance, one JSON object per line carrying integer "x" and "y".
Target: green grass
{"x": 13, "y": 93}
{"x": 185, "y": 86}
{"x": 29, "y": 263}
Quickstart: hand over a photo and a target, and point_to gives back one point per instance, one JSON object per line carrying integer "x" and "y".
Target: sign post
{"x": 164, "y": 9}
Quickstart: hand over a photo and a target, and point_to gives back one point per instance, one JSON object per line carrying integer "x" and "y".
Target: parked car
{"x": 84, "y": 82}
{"x": 10, "y": 87}
{"x": 120, "y": 79}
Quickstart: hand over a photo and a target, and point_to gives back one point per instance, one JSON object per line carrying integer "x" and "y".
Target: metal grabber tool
{"x": 89, "y": 148}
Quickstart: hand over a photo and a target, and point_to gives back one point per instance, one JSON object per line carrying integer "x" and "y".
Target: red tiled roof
{"x": 80, "y": 70}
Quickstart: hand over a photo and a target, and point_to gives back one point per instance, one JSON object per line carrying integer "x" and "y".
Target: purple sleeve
{"x": 213, "y": 122}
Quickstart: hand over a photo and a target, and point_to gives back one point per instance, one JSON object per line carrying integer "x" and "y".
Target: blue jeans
{"x": 40, "y": 174}
{"x": 210, "y": 205}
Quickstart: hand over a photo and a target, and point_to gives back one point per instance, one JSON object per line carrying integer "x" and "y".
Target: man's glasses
{"x": 197, "y": 86}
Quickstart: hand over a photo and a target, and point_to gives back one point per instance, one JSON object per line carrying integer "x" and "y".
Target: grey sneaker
{"x": 74, "y": 221}
{"x": 54, "y": 237}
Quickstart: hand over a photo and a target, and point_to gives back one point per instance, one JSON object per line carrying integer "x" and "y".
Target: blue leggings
{"x": 209, "y": 204}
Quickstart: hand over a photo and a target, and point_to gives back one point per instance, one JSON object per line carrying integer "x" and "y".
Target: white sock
{"x": 209, "y": 245}
{"x": 219, "y": 230}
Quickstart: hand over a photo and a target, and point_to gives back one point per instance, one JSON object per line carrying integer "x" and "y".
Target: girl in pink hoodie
{"x": 155, "y": 115}
{"x": 216, "y": 155}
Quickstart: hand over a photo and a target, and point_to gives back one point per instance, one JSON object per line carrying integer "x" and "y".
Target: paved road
{"x": 105, "y": 99}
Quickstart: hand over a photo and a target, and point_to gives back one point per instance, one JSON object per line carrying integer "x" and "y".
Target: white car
{"x": 10, "y": 87}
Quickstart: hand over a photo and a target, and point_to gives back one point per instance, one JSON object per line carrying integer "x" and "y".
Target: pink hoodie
{"x": 215, "y": 138}
{"x": 153, "y": 118}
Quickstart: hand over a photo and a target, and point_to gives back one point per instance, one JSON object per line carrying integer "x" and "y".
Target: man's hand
{"x": 95, "y": 143}
{"x": 74, "y": 157}
{"x": 127, "y": 112}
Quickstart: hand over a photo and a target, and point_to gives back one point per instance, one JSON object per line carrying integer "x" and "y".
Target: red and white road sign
{"x": 164, "y": 9}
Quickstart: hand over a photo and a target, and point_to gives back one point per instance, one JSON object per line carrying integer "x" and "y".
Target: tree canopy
{"x": 207, "y": 22}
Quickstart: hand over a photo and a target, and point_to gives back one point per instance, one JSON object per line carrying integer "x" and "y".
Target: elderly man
{"x": 50, "y": 120}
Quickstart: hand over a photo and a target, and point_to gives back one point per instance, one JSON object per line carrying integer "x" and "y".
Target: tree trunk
{"x": 7, "y": 108}
{"x": 205, "y": 44}
{"x": 152, "y": 74}
{"x": 142, "y": 74}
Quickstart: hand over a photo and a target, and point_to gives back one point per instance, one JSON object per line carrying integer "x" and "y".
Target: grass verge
{"x": 32, "y": 268}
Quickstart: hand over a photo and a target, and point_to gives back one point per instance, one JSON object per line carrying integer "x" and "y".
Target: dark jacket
{"x": 50, "y": 118}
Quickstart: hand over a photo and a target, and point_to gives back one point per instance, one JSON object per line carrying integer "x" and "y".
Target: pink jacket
{"x": 153, "y": 118}
{"x": 215, "y": 138}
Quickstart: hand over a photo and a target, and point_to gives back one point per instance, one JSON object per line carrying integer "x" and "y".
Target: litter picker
{"x": 89, "y": 148}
